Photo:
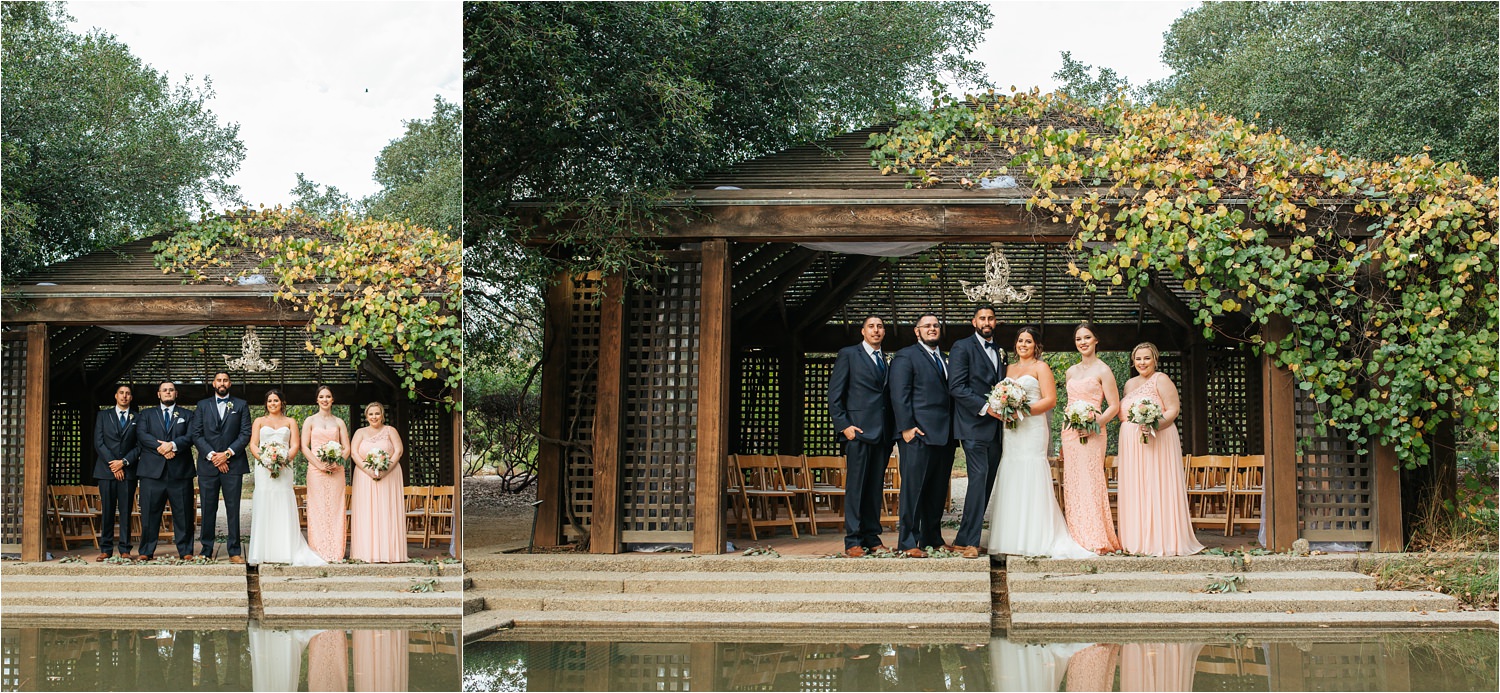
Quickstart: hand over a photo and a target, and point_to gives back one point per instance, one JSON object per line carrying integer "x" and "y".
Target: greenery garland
{"x": 1388, "y": 281}
{"x": 365, "y": 284}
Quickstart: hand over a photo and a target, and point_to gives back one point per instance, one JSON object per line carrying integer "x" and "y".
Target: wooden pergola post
{"x": 1197, "y": 374}
{"x": 604, "y": 528}
{"x": 456, "y": 543}
{"x": 552, "y": 458}
{"x": 792, "y": 421}
{"x": 1279, "y": 511}
{"x": 713, "y": 400}
{"x": 34, "y": 474}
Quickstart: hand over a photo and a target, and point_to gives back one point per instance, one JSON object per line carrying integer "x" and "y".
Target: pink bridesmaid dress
{"x": 1085, "y": 490}
{"x": 325, "y": 503}
{"x": 380, "y": 660}
{"x": 1152, "y": 486}
{"x": 377, "y": 529}
{"x": 328, "y": 660}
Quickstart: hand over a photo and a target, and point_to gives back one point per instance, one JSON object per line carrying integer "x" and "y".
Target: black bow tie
{"x": 989, "y": 345}
{"x": 223, "y": 400}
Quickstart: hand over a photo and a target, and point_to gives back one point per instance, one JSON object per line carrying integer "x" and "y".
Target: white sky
{"x": 1024, "y": 44}
{"x": 316, "y": 87}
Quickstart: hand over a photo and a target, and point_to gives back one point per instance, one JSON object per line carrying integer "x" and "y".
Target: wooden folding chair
{"x": 1112, "y": 483}
{"x": 1056, "y": 465}
{"x": 1208, "y": 490}
{"x": 440, "y": 505}
{"x": 799, "y": 482}
{"x": 416, "y": 513}
{"x": 762, "y": 485}
{"x": 1247, "y": 487}
{"x": 73, "y": 520}
{"x": 829, "y": 478}
{"x": 301, "y": 493}
{"x": 734, "y": 490}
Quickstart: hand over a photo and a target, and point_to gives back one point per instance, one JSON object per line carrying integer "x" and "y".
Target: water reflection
{"x": 1465, "y": 660}
{"x": 254, "y": 658}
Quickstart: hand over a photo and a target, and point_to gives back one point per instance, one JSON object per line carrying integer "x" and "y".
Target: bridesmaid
{"x": 325, "y": 482}
{"x": 1085, "y": 490}
{"x": 377, "y": 531}
{"x": 1153, "y": 488}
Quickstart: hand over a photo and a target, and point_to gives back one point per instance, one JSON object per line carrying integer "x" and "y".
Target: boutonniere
{"x": 229, "y": 407}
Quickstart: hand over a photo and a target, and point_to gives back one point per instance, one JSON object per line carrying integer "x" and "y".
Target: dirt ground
{"x": 493, "y": 517}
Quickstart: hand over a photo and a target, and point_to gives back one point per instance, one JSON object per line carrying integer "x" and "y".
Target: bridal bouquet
{"x": 1008, "y": 399}
{"x": 378, "y": 461}
{"x": 1145, "y": 413}
{"x": 331, "y": 453}
{"x": 273, "y": 458}
{"x": 1081, "y": 416}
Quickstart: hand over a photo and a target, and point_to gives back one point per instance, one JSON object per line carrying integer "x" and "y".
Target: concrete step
{"x": 1188, "y": 582}
{"x": 1087, "y": 626}
{"x": 110, "y": 570}
{"x": 642, "y": 563}
{"x": 106, "y": 602}
{"x": 350, "y": 599}
{"x": 451, "y": 584}
{"x": 473, "y": 604}
{"x": 733, "y": 582}
{"x": 363, "y": 570}
{"x": 344, "y": 614}
{"x": 841, "y": 603}
{"x": 1197, "y": 564}
{"x": 15, "y": 585}
{"x": 133, "y": 614}
{"x": 695, "y": 620}
{"x": 1235, "y": 602}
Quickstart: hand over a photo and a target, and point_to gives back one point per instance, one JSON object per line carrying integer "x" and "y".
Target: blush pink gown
{"x": 328, "y": 659}
{"x": 1085, "y": 490}
{"x": 1152, "y": 486}
{"x": 377, "y": 529}
{"x": 325, "y": 503}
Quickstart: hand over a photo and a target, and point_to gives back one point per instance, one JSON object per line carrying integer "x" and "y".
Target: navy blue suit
{"x": 163, "y": 480}
{"x": 858, "y": 396}
{"x": 971, "y": 376}
{"x": 213, "y": 433}
{"x": 920, "y": 399}
{"x": 112, "y": 441}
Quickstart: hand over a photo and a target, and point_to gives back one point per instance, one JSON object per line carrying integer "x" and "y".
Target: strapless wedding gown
{"x": 1023, "y": 512}
{"x": 275, "y": 534}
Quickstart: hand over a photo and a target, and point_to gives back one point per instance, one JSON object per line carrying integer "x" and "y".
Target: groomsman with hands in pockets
{"x": 859, "y": 403}
{"x": 924, "y": 417}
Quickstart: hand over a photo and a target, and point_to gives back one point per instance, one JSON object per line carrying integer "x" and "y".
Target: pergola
{"x": 74, "y": 330}
{"x": 730, "y": 351}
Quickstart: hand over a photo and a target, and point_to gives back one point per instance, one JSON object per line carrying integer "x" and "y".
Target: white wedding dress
{"x": 1023, "y": 513}
{"x": 275, "y": 533}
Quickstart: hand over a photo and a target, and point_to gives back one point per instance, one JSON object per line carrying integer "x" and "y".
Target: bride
{"x": 1024, "y": 517}
{"x": 275, "y": 533}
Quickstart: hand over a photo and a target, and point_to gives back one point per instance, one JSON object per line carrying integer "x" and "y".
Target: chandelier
{"x": 250, "y": 360}
{"x": 996, "y": 287}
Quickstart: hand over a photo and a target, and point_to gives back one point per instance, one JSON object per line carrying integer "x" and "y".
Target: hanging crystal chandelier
{"x": 996, "y": 287}
{"x": 250, "y": 360}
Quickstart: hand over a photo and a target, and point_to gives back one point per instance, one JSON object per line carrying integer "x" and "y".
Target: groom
{"x": 221, "y": 430}
{"x": 924, "y": 421}
{"x": 975, "y": 364}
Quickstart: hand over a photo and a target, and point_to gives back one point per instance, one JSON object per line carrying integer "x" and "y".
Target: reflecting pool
{"x": 1403, "y": 661}
{"x": 243, "y": 659}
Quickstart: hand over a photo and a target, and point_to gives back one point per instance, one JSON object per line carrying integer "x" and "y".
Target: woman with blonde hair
{"x": 377, "y": 528}
{"x": 1153, "y": 488}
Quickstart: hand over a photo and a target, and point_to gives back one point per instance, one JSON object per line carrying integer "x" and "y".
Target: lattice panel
{"x": 1335, "y": 484}
{"x": 424, "y": 433}
{"x": 66, "y": 448}
{"x": 581, "y": 395}
{"x": 817, "y": 428}
{"x": 10, "y": 641}
{"x": 758, "y": 410}
{"x": 1234, "y": 398}
{"x": 1345, "y": 667}
{"x": 652, "y": 667}
{"x": 13, "y": 427}
{"x": 1170, "y": 363}
{"x": 195, "y": 357}
{"x": 660, "y": 414}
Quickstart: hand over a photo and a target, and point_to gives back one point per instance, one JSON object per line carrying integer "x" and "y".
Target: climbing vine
{"x": 365, "y": 284}
{"x": 1384, "y": 273}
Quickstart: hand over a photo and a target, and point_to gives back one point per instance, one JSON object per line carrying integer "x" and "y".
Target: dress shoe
{"x": 877, "y": 548}
{"x": 101, "y": 558}
{"x": 186, "y": 557}
{"x": 139, "y": 558}
{"x": 952, "y": 547}
{"x": 915, "y": 553}
{"x": 855, "y": 552}
{"x": 970, "y": 551}
{"x": 236, "y": 560}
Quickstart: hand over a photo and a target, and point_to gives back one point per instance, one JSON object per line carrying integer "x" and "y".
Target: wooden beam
{"x": 793, "y": 416}
{"x": 762, "y": 255}
{"x": 1197, "y": 391}
{"x": 1389, "y": 532}
{"x": 769, "y": 296}
{"x": 830, "y": 337}
{"x": 80, "y": 350}
{"x": 843, "y": 283}
{"x": 149, "y": 309}
{"x": 1160, "y": 300}
{"x": 604, "y": 528}
{"x": 552, "y": 458}
{"x": 1280, "y": 507}
{"x": 713, "y": 400}
{"x": 117, "y": 366}
{"x": 752, "y": 289}
{"x": 456, "y": 429}
{"x": 35, "y": 440}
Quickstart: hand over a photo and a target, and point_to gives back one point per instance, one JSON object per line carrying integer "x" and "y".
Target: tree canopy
{"x": 96, "y": 144}
{"x": 419, "y": 172}
{"x": 1376, "y": 80}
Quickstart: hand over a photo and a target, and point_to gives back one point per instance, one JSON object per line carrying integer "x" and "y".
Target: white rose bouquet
{"x": 378, "y": 461}
{"x": 1008, "y": 399}
{"x": 273, "y": 458}
{"x": 1147, "y": 414}
{"x": 331, "y": 453}
{"x": 1081, "y": 416}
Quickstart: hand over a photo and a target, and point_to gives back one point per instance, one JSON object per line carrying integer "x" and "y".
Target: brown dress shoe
{"x": 970, "y": 551}
{"x": 855, "y": 552}
{"x": 915, "y": 553}
{"x": 236, "y": 560}
{"x": 139, "y": 558}
{"x": 186, "y": 557}
{"x": 877, "y": 548}
{"x": 952, "y": 547}
{"x": 101, "y": 558}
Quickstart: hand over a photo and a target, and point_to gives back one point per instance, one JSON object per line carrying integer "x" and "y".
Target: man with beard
{"x": 165, "y": 472}
{"x": 975, "y": 364}
{"x": 115, "y": 453}
{"x": 924, "y": 417}
{"x": 859, "y": 404}
{"x": 221, "y": 430}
